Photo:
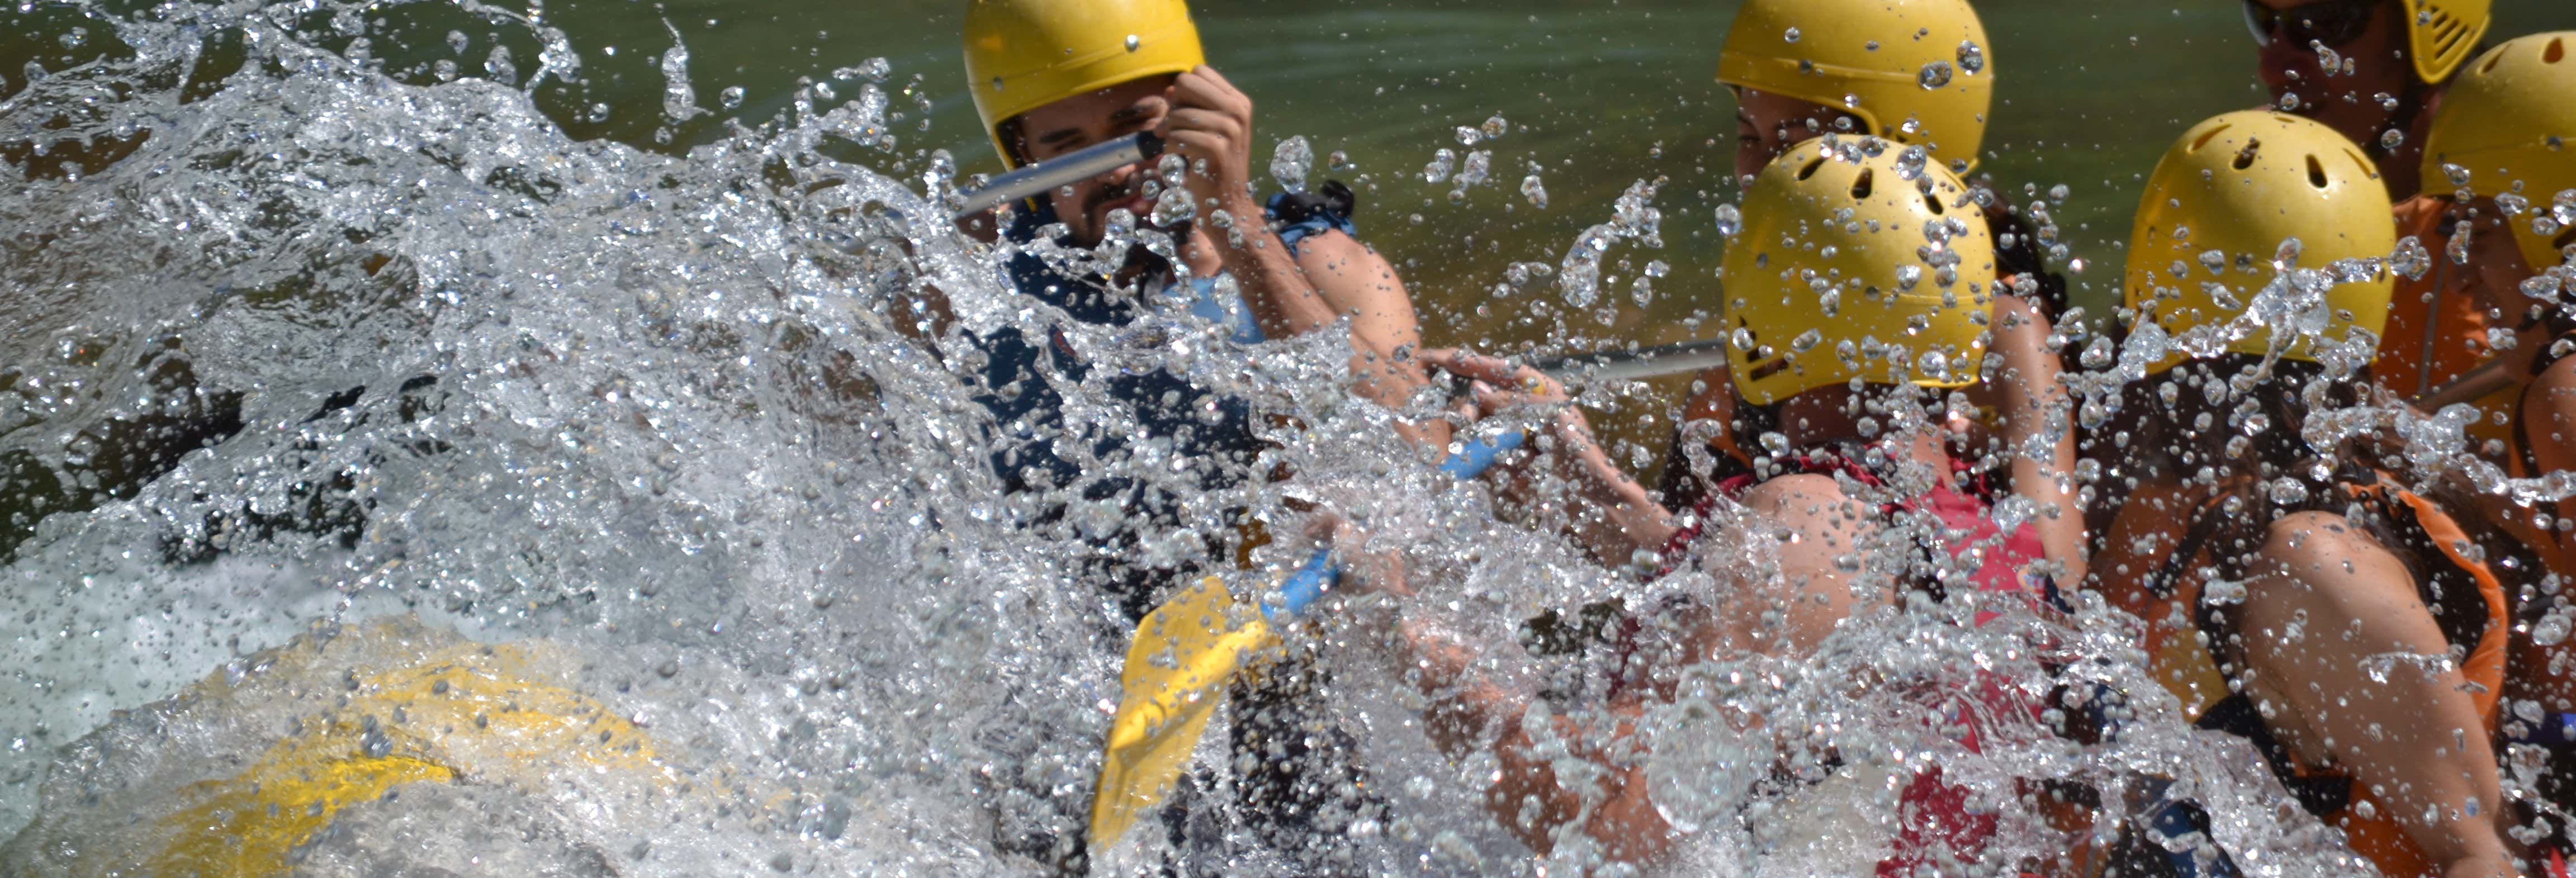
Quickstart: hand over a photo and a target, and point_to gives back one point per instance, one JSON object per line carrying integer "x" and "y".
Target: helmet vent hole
{"x": 1934, "y": 202}
{"x": 2245, "y": 157}
{"x": 1865, "y": 184}
{"x": 2554, "y": 53}
{"x": 2206, "y": 138}
{"x": 1810, "y": 169}
{"x": 2316, "y": 173}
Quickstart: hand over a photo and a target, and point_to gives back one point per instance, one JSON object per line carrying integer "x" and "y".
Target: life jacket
{"x": 2184, "y": 640}
{"x": 2437, "y": 327}
{"x": 1934, "y": 821}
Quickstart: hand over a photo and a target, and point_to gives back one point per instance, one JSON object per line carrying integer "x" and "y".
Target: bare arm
{"x": 1210, "y": 127}
{"x": 2331, "y": 604}
{"x": 2037, "y": 412}
{"x": 1607, "y": 513}
{"x": 1356, "y": 282}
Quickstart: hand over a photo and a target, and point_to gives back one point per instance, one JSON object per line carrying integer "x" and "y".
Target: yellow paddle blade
{"x": 1184, "y": 655}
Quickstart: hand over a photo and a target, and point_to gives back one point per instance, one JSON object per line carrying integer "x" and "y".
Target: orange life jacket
{"x": 2437, "y": 324}
{"x": 2180, "y": 651}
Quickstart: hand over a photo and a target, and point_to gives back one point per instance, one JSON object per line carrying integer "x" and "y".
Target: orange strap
{"x": 2484, "y": 667}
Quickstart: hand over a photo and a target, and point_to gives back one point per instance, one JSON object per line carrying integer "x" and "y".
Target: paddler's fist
{"x": 1210, "y": 127}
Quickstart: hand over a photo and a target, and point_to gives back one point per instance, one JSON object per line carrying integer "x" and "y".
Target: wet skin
{"x": 1206, "y": 122}
{"x": 2347, "y": 102}
{"x": 2025, "y": 389}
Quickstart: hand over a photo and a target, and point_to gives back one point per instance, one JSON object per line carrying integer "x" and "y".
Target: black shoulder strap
{"x": 2195, "y": 537}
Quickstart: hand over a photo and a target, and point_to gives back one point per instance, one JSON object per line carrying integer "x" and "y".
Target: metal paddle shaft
{"x": 2474, "y": 385}
{"x": 1653, "y": 362}
{"x": 1073, "y": 167}
{"x": 1694, "y": 356}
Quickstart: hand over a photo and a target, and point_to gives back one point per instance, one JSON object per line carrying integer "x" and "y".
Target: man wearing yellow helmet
{"x": 1858, "y": 294}
{"x": 2266, "y": 572}
{"x": 2369, "y": 69}
{"x": 1182, "y": 232}
{"x": 1053, "y": 76}
{"x": 1916, "y": 73}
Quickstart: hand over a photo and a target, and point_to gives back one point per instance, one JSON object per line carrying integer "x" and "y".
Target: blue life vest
{"x": 1211, "y": 432}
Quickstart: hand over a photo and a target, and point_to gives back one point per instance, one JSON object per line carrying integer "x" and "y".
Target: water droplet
{"x": 2327, "y": 59}
{"x": 1535, "y": 191}
{"x": 1933, "y": 75}
{"x": 1806, "y": 341}
{"x": 1290, "y": 162}
{"x": 2098, "y": 354}
{"x": 1730, "y": 220}
{"x": 1495, "y": 126}
{"x": 2411, "y": 259}
{"x": 1173, "y": 207}
{"x": 2551, "y": 631}
{"x": 2289, "y": 102}
{"x": 2392, "y": 138}
{"x": 1472, "y": 173}
{"x": 1469, "y": 136}
{"x": 730, "y": 98}
{"x": 1971, "y": 58}
{"x": 1438, "y": 169}
{"x": 1791, "y": 36}
{"x": 1133, "y": 43}
{"x": 1339, "y": 162}
{"x": 2459, "y": 175}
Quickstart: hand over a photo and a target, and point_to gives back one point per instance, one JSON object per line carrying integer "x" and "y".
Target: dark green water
{"x": 1598, "y": 94}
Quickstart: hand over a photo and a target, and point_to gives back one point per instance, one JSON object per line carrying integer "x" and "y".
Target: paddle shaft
{"x": 1069, "y": 168}
{"x": 2494, "y": 375}
{"x": 1642, "y": 363}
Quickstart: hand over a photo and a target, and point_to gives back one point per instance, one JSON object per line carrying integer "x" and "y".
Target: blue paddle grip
{"x": 1479, "y": 455}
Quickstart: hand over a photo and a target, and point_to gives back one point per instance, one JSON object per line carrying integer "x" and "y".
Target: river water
{"x": 550, "y": 361}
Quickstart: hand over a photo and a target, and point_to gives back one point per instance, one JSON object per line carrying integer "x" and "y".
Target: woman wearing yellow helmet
{"x": 2369, "y": 69}
{"x": 1914, "y": 72}
{"x": 2498, "y": 147}
{"x": 1860, "y": 294}
{"x": 2267, "y": 573}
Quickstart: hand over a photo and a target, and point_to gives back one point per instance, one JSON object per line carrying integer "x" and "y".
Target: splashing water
{"x": 355, "y": 411}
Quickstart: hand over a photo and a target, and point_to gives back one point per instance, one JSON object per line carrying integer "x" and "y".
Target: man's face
{"x": 1767, "y": 125}
{"x": 2290, "y": 65}
{"x": 1086, "y": 119}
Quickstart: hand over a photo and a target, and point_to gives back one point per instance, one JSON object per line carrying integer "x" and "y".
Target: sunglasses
{"x": 2333, "y": 22}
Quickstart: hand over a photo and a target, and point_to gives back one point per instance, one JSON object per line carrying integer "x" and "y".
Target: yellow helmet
{"x": 2217, "y": 211}
{"x": 1860, "y": 259}
{"x": 2441, "y": 33}
{"x": 1914, "y": 71}
{"x": 1026, "y": 54}
{"x": 2508, "y": 120}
